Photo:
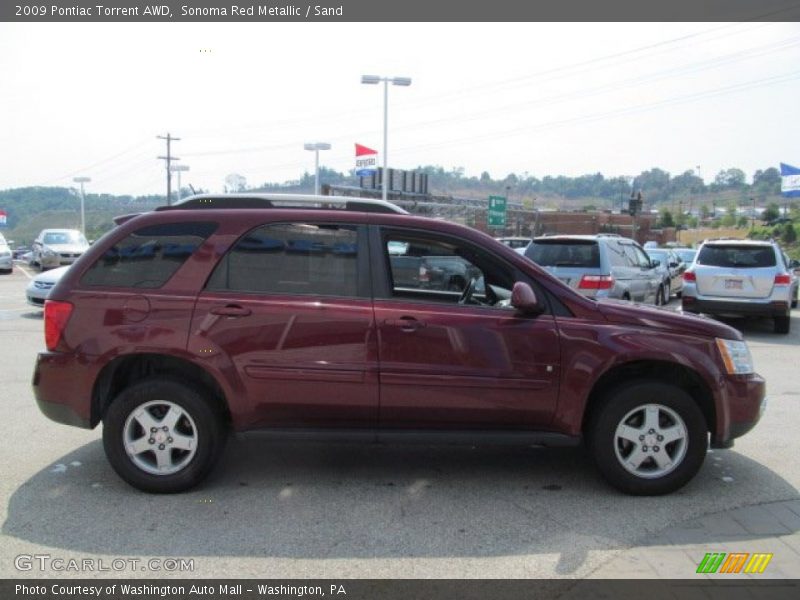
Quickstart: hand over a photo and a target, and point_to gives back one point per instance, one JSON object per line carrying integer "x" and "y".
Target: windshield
{"x": 737, "y": 256}
{"x": 65, "y": 237}
{"x": 687, "y": 256}
{"x": 657, "y": 255}
{"x": 564, "y": 253}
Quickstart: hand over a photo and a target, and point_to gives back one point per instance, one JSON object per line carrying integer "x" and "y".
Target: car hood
{"x": 52, "y": 276}
{"x": 652, "y": 317}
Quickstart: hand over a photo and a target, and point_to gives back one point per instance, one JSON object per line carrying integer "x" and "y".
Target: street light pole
{"x": 315, "y": 148}
{"x": 82, "y": 180}
{"x": 179, "y": 169}
{"x": 373, "y": 80}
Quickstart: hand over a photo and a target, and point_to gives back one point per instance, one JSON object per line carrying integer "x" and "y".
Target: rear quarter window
{"x": 742, "y": 257}
{"x": 565, "y": 253}
{"x": 148, "y": 257}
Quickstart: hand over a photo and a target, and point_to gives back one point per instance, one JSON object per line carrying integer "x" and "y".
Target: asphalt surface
{"x": 338, "y": 510}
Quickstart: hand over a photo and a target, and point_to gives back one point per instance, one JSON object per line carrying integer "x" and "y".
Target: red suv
{"x": 285, "y": 314}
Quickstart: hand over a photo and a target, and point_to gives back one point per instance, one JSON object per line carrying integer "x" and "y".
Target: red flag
{"x": 362, "y": 150}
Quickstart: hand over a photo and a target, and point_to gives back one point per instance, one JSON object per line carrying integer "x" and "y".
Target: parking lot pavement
{"x": 282, "y": 509}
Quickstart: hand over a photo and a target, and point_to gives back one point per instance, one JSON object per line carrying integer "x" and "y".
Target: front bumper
{"x": 744, "y": 400}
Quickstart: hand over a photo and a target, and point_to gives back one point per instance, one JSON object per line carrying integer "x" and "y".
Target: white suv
{"x": 741, "y": 277}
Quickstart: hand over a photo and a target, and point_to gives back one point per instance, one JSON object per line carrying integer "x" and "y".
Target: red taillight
{"x": 596, "y": 282}
{"x": 56, "y": 315}
{"x": 689, "y": 276}
{"x": 783, "y": 279}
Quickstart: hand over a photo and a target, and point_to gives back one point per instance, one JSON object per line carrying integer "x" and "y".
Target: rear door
{"x": 288, "y": 309}
{"x": 449, "y": 362}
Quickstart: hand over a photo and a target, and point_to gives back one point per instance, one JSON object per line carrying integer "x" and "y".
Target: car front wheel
{"x": 648, "y": 438}
{"x": 162, "y": 435}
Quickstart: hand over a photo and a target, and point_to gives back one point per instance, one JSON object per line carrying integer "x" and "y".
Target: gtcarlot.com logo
{"x": 734, "y": 562}
{"x": 47, "y": 562}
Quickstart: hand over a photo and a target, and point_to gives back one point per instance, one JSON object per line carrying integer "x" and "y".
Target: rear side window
{"x": 292, "y": 258}
{"x": 148, "y": 257}
{"x": 565, "y": 253}
{"x": 743, "y": 257}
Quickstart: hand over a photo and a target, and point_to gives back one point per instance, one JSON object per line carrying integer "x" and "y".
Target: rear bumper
{"x": 756, "y": 308}
{"x": 62, "y": 389}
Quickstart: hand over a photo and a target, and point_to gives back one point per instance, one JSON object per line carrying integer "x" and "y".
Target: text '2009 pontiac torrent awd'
{"x": 286, "y": 314}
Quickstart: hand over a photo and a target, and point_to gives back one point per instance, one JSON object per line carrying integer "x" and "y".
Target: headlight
{"x": 735, "y": 356}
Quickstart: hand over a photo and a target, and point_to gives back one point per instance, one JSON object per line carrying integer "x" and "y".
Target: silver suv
{"x": 601, "y": 266}
{"x": 741, "y": 277}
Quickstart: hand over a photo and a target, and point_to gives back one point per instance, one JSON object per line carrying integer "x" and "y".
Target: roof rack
{"x": 230, "y": 201}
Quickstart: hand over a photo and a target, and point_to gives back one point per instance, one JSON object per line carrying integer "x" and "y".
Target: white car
{"x": 6, "y": 260}
{"x": 57, "y": 247}
{"x": 40, "y": 286}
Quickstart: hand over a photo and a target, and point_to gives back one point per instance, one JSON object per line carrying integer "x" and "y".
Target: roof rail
{"x": 226, "y": 201}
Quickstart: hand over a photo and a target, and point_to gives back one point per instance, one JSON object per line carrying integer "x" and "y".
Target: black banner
{"x": 400, "y": 589}
{"x": 401, "y": 11}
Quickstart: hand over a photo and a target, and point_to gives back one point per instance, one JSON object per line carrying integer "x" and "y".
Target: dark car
{"x": 289, "y": 319}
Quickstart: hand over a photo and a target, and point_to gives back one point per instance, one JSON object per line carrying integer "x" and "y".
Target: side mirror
{"x": 795, "y": 264}
{"x": 655, "y": 263}
{"x": 673, "y": 264}
{"x": 524, "y": 299}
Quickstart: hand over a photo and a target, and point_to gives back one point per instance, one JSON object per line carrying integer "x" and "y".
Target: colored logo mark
{"x": 734, "y": 562}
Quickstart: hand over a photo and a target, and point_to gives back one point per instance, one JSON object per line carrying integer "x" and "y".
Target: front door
{"x": 459, "y": 357}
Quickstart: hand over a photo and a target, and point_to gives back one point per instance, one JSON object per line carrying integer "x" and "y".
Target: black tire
{"x": 604, "y": 447}
{"x": 207, "y": 427}
{"x": 660, "y": 296}
{"x": 678, "y": 294}
{"x": 783, "y": 324}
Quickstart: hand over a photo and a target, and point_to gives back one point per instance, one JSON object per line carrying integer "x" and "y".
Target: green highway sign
{"x": 497, "y": 211}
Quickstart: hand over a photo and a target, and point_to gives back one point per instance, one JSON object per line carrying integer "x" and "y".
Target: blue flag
{"x": 790, "y": 181}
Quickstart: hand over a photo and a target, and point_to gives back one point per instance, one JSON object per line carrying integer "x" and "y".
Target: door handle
{"x": 231, "y": 310}
{"x": 405, "y": 323}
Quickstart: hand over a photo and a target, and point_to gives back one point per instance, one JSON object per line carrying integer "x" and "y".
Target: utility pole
{"x": 169, "y": 158}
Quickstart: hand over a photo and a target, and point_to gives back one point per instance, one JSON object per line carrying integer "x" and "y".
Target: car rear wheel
{"x": 162, "y": 435}
{"x": 783, "y": 324}
{"x": 648, "y": 438}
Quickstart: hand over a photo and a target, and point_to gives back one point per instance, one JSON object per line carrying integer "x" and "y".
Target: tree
{"x": 767, "y": 181}
{"x": 789, "y": 235}
{"x": 666, "y": 219}
{"x": 730, "y": 178}
{"x": 771, "y": 213}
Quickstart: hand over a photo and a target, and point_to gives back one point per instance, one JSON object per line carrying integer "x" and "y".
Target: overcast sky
{"x": 546, "y": 99}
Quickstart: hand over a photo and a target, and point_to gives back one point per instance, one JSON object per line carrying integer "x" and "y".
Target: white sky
{"x": 547, "y": 99}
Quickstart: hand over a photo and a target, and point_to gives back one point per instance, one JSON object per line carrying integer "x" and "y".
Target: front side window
{"x": 292, "y": 258}
{"x": 444, "y": 270}
{"x": 148, "y": 257}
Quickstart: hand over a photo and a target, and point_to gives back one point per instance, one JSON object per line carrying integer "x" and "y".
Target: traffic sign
{"x": 497, "y": 211}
